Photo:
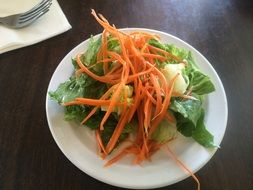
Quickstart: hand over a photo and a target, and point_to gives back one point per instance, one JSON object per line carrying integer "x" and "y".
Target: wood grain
{"x": 221, "y": 30}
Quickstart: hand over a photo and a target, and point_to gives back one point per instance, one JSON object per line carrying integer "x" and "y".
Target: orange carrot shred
{"x": 171, "y": 154}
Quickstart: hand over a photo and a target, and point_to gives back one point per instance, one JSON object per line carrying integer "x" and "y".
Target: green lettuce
{"x": 109, "y": 129}
{"x": 190, "y": 120}
{"x": 190, "y": 109}
{"x": 78, "y": 86}
{"x": 69, "y": 90}
{"x": 75, "y": 112}
{"x": 90, "y": 56}
{"x": 113, "y": 45}
{"x": 171, "y": 48}
{"x": 201, "y": 134}
{"x": 200, "y": 83}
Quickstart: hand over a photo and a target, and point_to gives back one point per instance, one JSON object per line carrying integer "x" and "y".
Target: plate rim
{"x": 132, "y": 186}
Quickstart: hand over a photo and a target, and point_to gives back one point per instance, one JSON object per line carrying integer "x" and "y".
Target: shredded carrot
{"x": 171, "y": 154}
{"x": 159, "y": 118}
{"x": 99, "y": 141}
{"x": 87, "y": 101}
{"x": 130, "y": 149}
{"x": 149, "y": 55}
{"x": 184, "y": 96}
{"x": 158, "y": 94}
{"x": 106, "y": 95}
{"x": 169, "y": 117}
{"x": 91, "y": 74}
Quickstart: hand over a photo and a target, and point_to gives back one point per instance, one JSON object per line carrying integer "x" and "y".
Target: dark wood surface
{"x": 221, "y": 30}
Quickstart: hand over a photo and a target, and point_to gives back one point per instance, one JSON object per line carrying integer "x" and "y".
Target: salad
{"x": 132, "y": 87}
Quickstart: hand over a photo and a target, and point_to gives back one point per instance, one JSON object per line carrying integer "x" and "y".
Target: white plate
{"x": 79, "y": 146}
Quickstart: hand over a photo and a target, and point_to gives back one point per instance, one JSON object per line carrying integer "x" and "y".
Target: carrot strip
{"x": 120, "y": 126}
{"x": 111, "y": 106}
{"x": 152, "y": 99}
{"x": 158, "y": 94}
{"x": 185, "y": 96}
{"x": 87, "y": 101}
{"x": 99, "y": 141}
{"x": 169, "y": 117}
{"x": 116, "y": 158}
{"x": 147, "y": 112}
{"x": 105, "y": 60}
{"x": 172, "y": 155}
{"x": 136, "y": 98}
{"x": 151, "y": 36}
{"x": 115, "y": 68}
{"x": 106, "y": 25}
{"x": 149, "y": 55}
{"x": 158, "y": 119}
{"x": 132, "y": 77}
{"x": 124, "y": 76}
{"x": 130, "y": 149}
{"x": 104, "y": 51}
{"x": 144, "y": 48}
{"x": 88, "y": 72}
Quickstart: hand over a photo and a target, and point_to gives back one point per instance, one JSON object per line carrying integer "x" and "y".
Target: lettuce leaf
{"x": 109, "y": 129}
{"x": 69, "y": 90}
{"x": 201, "y": 134}
{"x": 190, "y": 109}
{"x": 78, "y": 86}
{"x": 84, "y": 86}
{"x": 90, "y": 56}
{"x": 179, "y": 52}
{"x": 113, "y": 45}
{"x": 75, "y": 113}
{"x": 200, "y": 83}
{"x": 190, "y": 120}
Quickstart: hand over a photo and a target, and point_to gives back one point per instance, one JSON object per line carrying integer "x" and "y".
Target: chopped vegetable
{"x": 169, "y": 71}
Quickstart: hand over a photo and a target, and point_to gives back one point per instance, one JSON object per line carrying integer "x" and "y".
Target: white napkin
{"x": 51, "y": 24}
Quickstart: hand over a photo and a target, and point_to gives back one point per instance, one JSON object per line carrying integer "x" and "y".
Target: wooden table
{"x": 221, "y": 30}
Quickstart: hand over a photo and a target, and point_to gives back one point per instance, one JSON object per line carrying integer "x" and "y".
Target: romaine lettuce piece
{"x": 90, "y": 56}
{"x": 200, "y": 83}
{"x": 75, "y": 113}
{"x": 201, "y": 134}
{"x": 189, "y": 109}
{"x": 113, "y": 44}
{"x": 109, "y": 129}
{"x": 69, "y": 90}
{"x": 78, "y": 86}
{"x": 190, "y": 120}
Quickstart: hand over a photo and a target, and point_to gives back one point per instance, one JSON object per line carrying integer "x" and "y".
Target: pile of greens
{"x": 189, "y": 113}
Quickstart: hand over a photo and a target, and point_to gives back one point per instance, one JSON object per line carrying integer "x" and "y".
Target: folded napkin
{"x": 51, "y": 24}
